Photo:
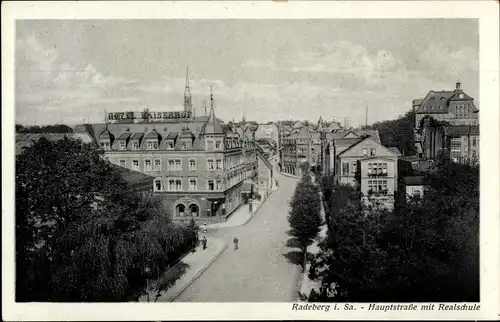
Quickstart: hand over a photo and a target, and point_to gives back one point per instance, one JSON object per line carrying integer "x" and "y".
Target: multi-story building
{"x": 301, "y": 146}
{"x": 370, "y": 167}
{"x": 454, "y": 107}
{"x": 459, "y": 143}
{"x": 199, "y": 164}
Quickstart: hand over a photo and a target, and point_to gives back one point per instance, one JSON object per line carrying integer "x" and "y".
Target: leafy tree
{"x": 425, "y": 250}
{"x": 398, "y": 133}
{"x": 82, "y": 234}
{"x": 305, "y": 214}
{"x": 305, "y": 168}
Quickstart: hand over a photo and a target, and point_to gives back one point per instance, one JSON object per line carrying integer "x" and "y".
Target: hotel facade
{"x": 202, "y": 168}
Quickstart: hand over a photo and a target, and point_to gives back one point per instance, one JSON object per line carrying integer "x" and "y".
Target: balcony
{"x": 379, "y": 193}
{"x": 377, "y": 174}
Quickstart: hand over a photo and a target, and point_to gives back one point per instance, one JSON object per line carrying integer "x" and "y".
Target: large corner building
{"x": 202, "y": 168}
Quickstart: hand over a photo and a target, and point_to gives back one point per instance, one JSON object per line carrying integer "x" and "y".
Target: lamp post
{"x": 147, "y": 273}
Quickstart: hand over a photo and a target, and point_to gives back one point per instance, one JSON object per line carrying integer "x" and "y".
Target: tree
{"x": 82, "y": 234}
{"x": 305, "y": 168}
{"x": 305, "y": 214}
{"x": 398, "y": 133}
{"x": 424, "y": 250}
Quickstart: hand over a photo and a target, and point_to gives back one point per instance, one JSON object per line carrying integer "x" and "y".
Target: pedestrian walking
{"x": 205, "y": 226}
{"x": 204, "y": 243}
{"x": 235, "y": 241}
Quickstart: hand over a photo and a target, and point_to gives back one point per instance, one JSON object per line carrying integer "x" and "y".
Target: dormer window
{"x": 105, "y": 145}
{"x": 170, "y": 145}
{"x": 372, "y": 152}
{"x": 135, "y": 145}
{"x": 122, "y": 145}
{"x": 460, "y": 95}
{"x": 152, "y": 145}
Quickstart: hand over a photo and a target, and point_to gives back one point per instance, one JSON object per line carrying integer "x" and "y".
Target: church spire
{"x": 188, "y": 100}
{"x": 243, "y": 120}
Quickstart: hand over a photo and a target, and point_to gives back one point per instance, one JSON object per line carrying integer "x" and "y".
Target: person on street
{"x": 204, "y": 243}
{"x": 235, "y": 241}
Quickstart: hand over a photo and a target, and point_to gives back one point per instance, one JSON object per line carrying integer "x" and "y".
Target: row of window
{"x": 153, "y": 144}
{"x": 176, "y": 184}
{"x": 173, "y": 164}
{"x": 377, "y": 168}
{"x": 377, "y": 185}
{"x": 373, "y": 167}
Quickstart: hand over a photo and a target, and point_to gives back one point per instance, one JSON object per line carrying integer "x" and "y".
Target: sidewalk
{"x": 240, "y": 216}
{"x": 308, "y": 285}
{"x": 190, "y": 267}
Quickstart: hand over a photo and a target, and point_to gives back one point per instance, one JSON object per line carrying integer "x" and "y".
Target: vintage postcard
{"x": 250, "y": 160}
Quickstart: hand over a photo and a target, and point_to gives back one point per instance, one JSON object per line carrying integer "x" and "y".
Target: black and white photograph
{"x": 225, "y": 160}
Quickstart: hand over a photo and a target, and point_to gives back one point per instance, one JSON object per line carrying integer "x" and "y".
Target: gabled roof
{"x": 366, "y": 138}
{"x": 106, "y": 134}
{"x": 304, "y": 133}
{"x": 153, "y": 135}
{"x": 172, "y": 136}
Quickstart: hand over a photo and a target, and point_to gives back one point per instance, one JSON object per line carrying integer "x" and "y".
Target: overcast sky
{"x": 275, "y": 69}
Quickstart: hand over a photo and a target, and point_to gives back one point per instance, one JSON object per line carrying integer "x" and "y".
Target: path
{"x": 259, "y": 271}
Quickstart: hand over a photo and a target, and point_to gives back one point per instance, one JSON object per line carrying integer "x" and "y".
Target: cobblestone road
{"x": 258, "y": 271}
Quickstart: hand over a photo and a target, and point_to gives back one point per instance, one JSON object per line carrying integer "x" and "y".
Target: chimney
{"x": 458, "y": 86}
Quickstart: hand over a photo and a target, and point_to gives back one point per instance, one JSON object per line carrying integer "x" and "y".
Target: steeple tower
{"x": 243, "y": 120}
{"x": 188, "y": 100}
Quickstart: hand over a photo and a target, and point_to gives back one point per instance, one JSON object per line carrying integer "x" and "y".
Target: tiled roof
{"x": 137, "y": 136}
{"x": 346, "y": 142}
{"x": 172, "y": 135}
{"x": 106, "y": 134}
{"x": 212, "y": 125}
{"x": 124, "y": 136}
{"x": 304, "y": 133}
{"x": 435, "y": 102}
{"x": 153, "y": 135}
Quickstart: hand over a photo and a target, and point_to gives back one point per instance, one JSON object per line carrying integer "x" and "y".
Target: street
{"x": 259, "y": 270}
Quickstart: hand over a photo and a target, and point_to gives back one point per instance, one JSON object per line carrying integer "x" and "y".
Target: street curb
{"x": 257, "y": 210}
{"x": 201, "y": 271}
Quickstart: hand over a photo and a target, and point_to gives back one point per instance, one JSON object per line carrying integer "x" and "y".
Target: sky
{"x": 75, "y": 70}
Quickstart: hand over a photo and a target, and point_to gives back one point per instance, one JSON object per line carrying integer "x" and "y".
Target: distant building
{"x": 370, "y": 167}
{"x": 454, "y": 107}
{"x": 459, "y": 143}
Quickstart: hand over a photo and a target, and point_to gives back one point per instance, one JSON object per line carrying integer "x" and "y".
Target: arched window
{"x": 194, "y": 211}
{"x": 180, "y": 210}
